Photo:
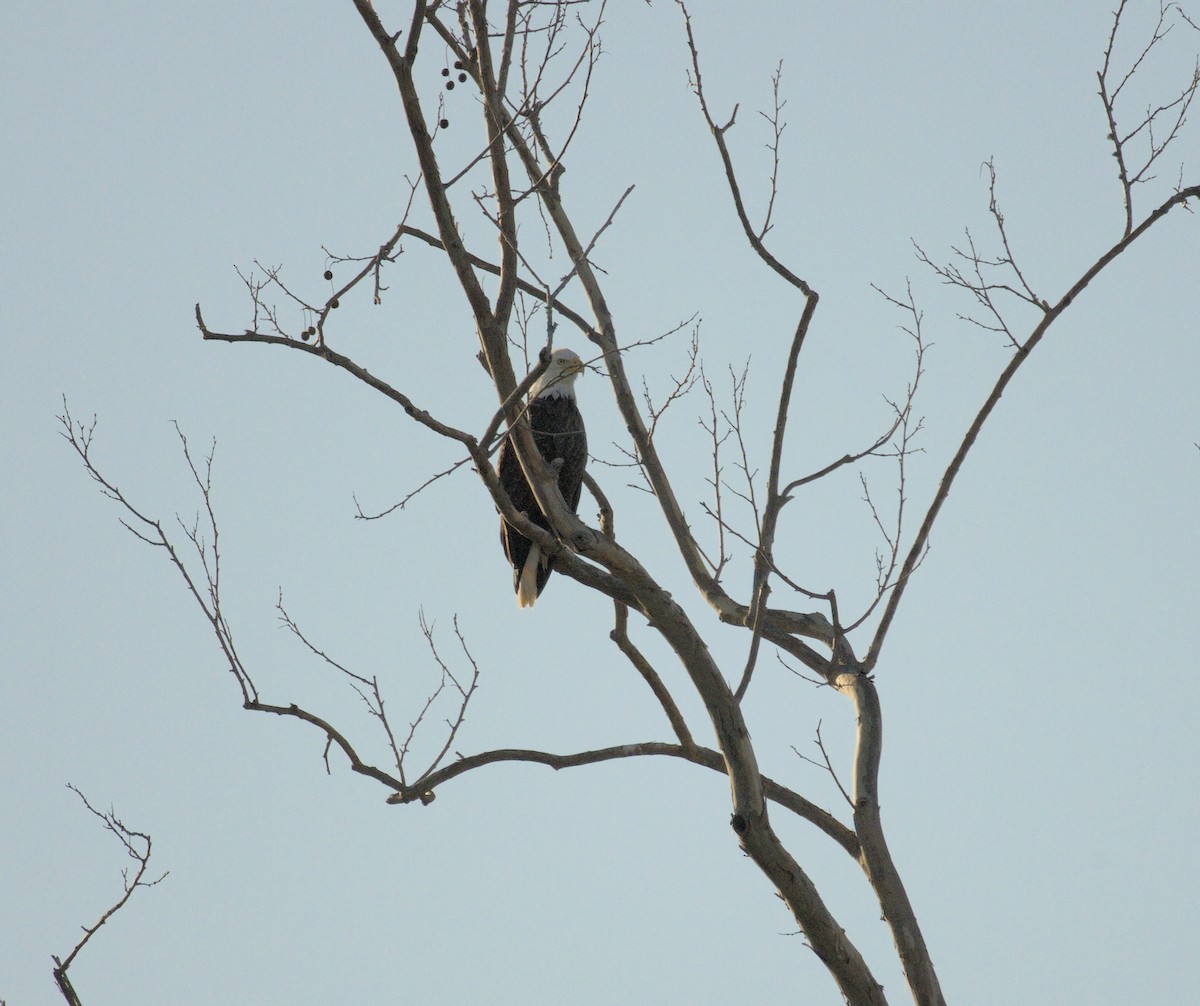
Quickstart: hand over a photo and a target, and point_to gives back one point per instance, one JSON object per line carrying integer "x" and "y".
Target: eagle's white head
{"x": 559, "y": 378}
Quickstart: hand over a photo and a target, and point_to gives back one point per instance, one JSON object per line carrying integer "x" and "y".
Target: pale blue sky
{"x": 1040, "y": 779}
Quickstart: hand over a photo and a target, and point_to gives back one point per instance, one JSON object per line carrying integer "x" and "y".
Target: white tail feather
{"x": 527, "y": 585}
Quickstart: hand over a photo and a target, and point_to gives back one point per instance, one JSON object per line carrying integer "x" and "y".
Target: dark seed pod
{"x": 449, "y": 85}
{"x": 458, "y": 64}
{"x": 462, "y": 78}
{"x": 305, "y": 334}
{"x": 445, "y": 72}
{"x": 334, "y": 302}
{"x": 444, "y": 123}
{"x": 328, "y": 274}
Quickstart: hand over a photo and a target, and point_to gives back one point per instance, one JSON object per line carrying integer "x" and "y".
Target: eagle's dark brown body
{"x": 558, "y": 432}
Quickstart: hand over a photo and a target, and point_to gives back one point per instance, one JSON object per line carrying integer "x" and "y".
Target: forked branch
{"x": 137, "y": 846}
{"x": 1134, "y": 161}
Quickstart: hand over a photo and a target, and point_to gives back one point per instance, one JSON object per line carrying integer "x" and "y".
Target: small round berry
{"x": 458, "y": 64}
{"x": 445, "y": 72}
{"x": 449, "y": 85}
{"x": 334, "y": 302}
{"x": 444, "y": 123}
{"x": 305, "y": 334}
{"x": 462, "y": 78}
{"x": 328, "y": 274}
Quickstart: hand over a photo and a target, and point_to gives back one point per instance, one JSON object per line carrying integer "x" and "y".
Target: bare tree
{"x": 531, "y": 66}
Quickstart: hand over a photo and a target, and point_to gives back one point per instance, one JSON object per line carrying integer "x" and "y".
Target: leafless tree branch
{"x": 1052, "y": 313}
{"x": 1133, "y": 167}
{"x": 137, "y": 846}
{"x": 696, "y": 755}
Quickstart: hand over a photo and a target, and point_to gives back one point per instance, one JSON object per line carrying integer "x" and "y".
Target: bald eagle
{"x": 560, "y": 437}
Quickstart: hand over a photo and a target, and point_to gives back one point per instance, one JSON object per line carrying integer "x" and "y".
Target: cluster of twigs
{"x": 198, "y": 562}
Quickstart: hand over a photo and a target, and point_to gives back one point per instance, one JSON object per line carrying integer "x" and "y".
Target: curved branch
{"x": 705, "y": 757}
{"x": 620, "y": 636}
{"x": 718, "y": 132}
{"x": 344, "y": 363}
{"x": 137, "y": 846}
{"x": 620, "y": 632}
{"x": 764, "y": 558}
{"x": 875, "y": 858}
{"x": 332, "y": 734}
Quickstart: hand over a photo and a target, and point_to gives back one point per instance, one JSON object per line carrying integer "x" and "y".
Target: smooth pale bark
{"x": 874, "y": 856}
